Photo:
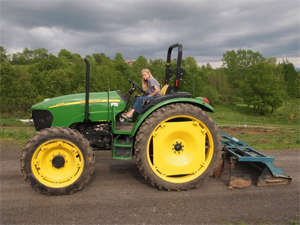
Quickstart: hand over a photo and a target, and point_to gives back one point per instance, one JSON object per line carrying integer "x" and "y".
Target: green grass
{"x": 20, "y": 135}
{"x": 12, "y": 129}
{"x": 276, "y": 131}
{"x": 290, "y": 222}
{"x": 241, "y": 114}
{"x": 11, "y": 121}
{"x": 262, "y": 138}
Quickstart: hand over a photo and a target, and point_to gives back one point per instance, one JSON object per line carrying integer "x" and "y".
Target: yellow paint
{"x": 194, "y": 156}
{"x": 164, "y": 89}
{"x": 83, "y": 102}
{"x": 50, "y": 176}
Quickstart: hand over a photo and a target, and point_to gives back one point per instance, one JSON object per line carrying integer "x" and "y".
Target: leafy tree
{"x": 25, "y": 97}
{"x": 157, "y": 68}
{"x": 211, "y": 94}
{"x": 290, "y": 78}
{"x": 111, "y": 79}
{"x": 97, "y": 82}
{"x": 76, "y": 76}
{"x": 245, "y": 75}
{"x": 207, "y": 67}
{"x": 237, "y": 63}
{"x": 18, "y": 59}
{"x": 193, "y": 81}
{"x": 119, "y": 57}
{"x": 261, "y": 88}
{"x": 120, "y": 65}
{"x": 56, "y": 83}
{"x": 40, "y": 53}
{"x": 218, "y": 79}
{"x": 37, "y": 80}
{"x": 52, "y": 63}
{"x": 139, "y": 64}
{"x": 101, "y": 58}
{"x": 29, "y": 56}
{"x": 65, "y": 54}
{"x": 8, "y": 85}
{"x": 3, "y": 56}
{"x": 17, "y": 93}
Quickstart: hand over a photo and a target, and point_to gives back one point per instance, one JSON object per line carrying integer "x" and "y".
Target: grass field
{"x": 276, "y": 131}
{"x": 280, "y": 130}
{"x": 240, "y": 115}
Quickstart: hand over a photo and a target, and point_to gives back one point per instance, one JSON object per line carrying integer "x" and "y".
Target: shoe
{"x": 124, "y": 116}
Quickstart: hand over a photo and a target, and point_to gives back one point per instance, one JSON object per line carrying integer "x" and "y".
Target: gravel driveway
{"x": 118, "y": 194}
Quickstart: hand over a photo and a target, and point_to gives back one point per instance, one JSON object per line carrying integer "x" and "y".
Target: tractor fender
{"x": 198, "y": 102}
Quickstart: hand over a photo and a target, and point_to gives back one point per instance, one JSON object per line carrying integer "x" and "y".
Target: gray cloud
{"x": 207, "y": 29}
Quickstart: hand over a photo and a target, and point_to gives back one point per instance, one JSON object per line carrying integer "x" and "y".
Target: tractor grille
{"x": 42, "y": 119}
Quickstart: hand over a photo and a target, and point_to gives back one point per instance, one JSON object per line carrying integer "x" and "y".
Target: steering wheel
{"x": 136, "y": 86}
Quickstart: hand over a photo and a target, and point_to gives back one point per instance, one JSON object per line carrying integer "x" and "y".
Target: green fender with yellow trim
{"x": 198, "y": 101}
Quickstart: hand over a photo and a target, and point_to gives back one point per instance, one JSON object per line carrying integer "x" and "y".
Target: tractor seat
{"x": 166, "y": 90}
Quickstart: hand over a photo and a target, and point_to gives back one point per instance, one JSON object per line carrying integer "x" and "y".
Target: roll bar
{"x": 179, "y": 71}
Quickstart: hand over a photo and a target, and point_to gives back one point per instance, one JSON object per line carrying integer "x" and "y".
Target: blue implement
{"x": 242, "y": 152}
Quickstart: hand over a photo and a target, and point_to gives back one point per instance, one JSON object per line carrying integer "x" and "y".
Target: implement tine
{"x": 268, "y": 179}
{"x": 220, "y": 168}
{"x": 238, "y": 181}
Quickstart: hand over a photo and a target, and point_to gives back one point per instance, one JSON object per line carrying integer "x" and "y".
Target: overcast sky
{"x": 206, "y": 29}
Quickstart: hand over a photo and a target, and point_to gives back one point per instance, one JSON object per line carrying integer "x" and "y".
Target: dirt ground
{"x": 250, "y": 130}
{"x": 118, "y": 194}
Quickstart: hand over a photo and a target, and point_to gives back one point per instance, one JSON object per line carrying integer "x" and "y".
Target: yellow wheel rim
{"x": 180, "y": 149}
{"x": 57, "y": 163}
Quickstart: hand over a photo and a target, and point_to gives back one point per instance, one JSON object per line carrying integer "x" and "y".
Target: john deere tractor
{"x": 175, "y": 142}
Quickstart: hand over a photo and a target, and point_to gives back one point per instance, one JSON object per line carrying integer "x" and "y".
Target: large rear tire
{"x": 177, "y": 147}
{"x": 57, "y": 161}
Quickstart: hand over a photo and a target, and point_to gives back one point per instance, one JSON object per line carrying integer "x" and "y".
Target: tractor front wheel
{"x": 57, "y": 161}
{"x": 177, "y": 147}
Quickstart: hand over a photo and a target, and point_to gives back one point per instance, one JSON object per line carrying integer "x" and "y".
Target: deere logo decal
{"x": 83, "y": 102}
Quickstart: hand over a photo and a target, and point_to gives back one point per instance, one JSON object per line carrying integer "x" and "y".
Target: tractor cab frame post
{"x": 179, "y": 73}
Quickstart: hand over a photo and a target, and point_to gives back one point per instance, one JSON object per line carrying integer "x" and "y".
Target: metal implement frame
{"x": 241, "y": 152}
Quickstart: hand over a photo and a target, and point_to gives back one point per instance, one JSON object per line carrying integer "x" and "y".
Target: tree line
{"x": 31, "y": 76}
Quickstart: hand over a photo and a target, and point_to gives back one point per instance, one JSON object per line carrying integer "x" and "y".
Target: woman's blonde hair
{"x": 145, "y": 82}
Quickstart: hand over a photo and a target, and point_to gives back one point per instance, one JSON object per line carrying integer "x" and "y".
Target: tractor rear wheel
{"x": 177, "y": 147}
{"x": 57, "y": 161}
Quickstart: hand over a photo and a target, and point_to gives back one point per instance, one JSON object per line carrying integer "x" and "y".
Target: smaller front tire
{"x": 57, "y": 161}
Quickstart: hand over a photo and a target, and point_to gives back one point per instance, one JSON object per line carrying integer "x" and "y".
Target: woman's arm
{"x": 155, "y": 92}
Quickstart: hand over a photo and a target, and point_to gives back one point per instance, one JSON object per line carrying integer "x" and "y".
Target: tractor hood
{"x": 77, "y": 99}
{"x": 66, "y": 110}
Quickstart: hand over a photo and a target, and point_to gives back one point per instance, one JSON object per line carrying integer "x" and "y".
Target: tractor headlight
{"x": 42, "y": 119}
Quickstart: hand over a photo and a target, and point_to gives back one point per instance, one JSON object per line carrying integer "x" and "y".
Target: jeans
{"x": 139, "y": 102}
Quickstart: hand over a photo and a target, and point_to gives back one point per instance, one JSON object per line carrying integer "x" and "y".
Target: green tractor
{"x": 175, "y": 142}
{"x": 177, "y": 145}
